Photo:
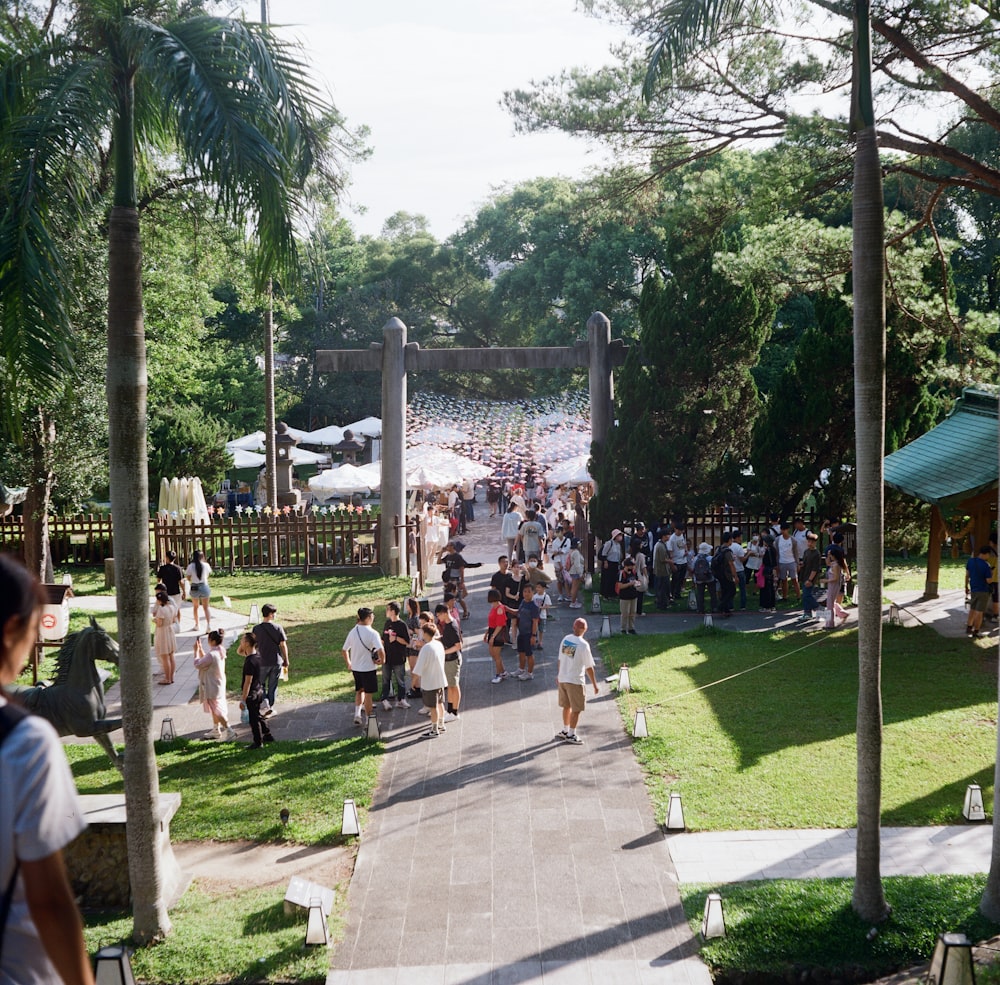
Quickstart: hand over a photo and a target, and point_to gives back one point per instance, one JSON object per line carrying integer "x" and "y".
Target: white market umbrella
{"x": 184, "y": 499}
{"x": 458, "y": 466}
{"x": 370, "y": 427}
{"x": 302, "y": 456}
{"x": 572, "y": 472}
{"x": 330, "y": 435}
{"x": 373, "y": 470}
{"x": 196, "y": 501}
{"x": 164, "y": 501}
{"x": 428, "y": 477}
{"x": 249, "y": 442}
{"x": 342, "y": 481}
{"x": 246, "y": 459}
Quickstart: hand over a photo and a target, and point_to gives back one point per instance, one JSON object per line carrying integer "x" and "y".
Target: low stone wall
{"x": 98, "y": 860}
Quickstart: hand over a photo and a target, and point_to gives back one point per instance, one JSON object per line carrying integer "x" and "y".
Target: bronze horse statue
{"x": 74, "y": 703}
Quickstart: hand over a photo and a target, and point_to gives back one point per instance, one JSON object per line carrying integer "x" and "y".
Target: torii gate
{"x": 395, "y": 357}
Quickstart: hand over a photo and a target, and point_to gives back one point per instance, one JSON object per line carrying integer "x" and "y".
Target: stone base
{"x": 98, "y": 860}
{"x": 291, "y": 498}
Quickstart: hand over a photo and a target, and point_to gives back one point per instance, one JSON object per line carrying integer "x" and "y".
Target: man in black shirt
{"x": 451, "y": 640}
{"x": 395, "y": 642}
{"x": 272, "y": 644}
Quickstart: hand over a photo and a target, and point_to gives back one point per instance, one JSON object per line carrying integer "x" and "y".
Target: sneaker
{"x": 402, "y": 703}
{"x": 211, "y": 734}
{"x": 526, "y": 677}
{"x": 574, "y": 740}
{"x": 576, "y": 605}
{"x": 386, "y": 706}
{"x": 269, "y": 738}
{"x": 450, "y": 716}
{"x": 498, "y": 678}
{"x": 357, "y": 721}
{"x": 267, "y": 713}
{"x": 424, "y": 710}
{"x": 227, "y": 735}
{"x": 632, "y": 632}
{"x": 430, "y": 734}
{"x": 562, "y": 734}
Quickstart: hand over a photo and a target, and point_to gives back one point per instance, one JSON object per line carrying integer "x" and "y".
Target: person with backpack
{"x": 724, "y": 569}
{"x": 627, "y": 588}
{"x": 41, "y": 933}
{"x": 704, "y": 579}
{"x": 612, "y": 552}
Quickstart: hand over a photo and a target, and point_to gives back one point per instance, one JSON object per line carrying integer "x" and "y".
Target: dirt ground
{"x": 221, "y": 867}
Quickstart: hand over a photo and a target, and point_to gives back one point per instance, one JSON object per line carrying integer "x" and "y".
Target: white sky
{"x": 426, "y": 77}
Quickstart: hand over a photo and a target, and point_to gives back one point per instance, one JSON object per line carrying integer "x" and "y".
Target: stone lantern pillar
{"x": 283, "y": 445}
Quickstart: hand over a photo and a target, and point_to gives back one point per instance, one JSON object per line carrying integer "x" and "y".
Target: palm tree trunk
{"x": 127, "y": 462}
{"x": 868, "y": 273}
{"x": 989, "y": 905}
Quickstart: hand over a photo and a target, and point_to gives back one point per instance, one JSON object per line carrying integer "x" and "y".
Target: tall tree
{"x": 685, "y": 401}
{"x": 686, "y": 33}
{"x": 236, "y": 107}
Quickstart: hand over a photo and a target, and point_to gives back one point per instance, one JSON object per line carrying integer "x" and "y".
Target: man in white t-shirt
{"x": 576, "y": 664}
{"x": 788, "y": 560}
{"x": 363, "y": 653}
{"x": 739, "y": 555}
{"x": 677, "y": 548}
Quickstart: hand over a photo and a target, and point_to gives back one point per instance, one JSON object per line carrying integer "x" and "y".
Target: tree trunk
{"x": 41, "y": 438}
{"x": 989, "y": 905}
{"x": 868, "y": 273}
{"x": 130, "y": 509}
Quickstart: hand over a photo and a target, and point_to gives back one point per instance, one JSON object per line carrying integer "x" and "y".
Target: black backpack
{"x": 720, "y": 564}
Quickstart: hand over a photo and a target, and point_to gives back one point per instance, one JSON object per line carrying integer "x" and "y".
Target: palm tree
{"x": 233, "y": 105}
{"x": 680, "y": 26}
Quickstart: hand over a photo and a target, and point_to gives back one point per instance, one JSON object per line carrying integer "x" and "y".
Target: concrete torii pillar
{"x": 395, "y": 357}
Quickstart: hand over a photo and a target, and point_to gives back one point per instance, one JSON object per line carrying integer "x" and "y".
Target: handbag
{"x": 752, "y": 563}
{"x": 760, "y": 578}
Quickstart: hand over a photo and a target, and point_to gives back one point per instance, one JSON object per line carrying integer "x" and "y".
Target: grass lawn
{"x": 244, "y": 938}
{"x": 229, "y": 797}
{"x": 783, "y": 927}
{"x": 772, "y": 744}
{"x": 909, "y": 574}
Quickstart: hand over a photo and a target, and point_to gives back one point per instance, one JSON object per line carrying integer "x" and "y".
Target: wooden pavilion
{"x": 953, "y": 467}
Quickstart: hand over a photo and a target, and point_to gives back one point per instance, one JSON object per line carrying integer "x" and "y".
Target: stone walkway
{"x": 497, "y": 855}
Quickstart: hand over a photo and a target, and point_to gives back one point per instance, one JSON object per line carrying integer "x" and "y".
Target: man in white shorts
{"x": 576, "y": 664}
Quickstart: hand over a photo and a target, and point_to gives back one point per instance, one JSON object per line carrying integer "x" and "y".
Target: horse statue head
{"x": 76, "y": 661}
{"x": 74, "y": 703}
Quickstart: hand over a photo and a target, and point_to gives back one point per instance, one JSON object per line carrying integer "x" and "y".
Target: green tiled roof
{"x": 953, "y": 461}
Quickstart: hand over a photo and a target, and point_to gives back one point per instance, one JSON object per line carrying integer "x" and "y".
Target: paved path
{"x": 498, "y": 854}
{"x": 738, "y": 856}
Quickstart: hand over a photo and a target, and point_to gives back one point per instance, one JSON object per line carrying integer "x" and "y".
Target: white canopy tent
{"x": 345, "y": 480}
{"x": 370, "y": 427}
{"x": 571, "y": 472}
{"x": 330, "y": 435}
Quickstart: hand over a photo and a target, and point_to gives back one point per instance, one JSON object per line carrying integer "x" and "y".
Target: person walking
{"x": 272, "y": 643}
{"x": 212, "y": 684}
{"x": 662, "y": 569}
{"x": 496, "y": 634}
{"x": 197, "y": 574}
{"x": 253, "y": 691}
{"x": 612, "y": 552}
{"x": 430, "y": 668}
{"x": 171, "y": 574}
{"x": 40, "y": 814}
{"x": 165, "y": 615}
{"x": 575, "y": 565}
{"x": 977, "y": 588}
{"x": 362, "y": 652}
{"x": 576, "y": 664}
{"x": 837, "y": 577}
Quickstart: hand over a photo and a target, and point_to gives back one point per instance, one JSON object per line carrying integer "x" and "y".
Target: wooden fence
{"x": 235, "y": 543}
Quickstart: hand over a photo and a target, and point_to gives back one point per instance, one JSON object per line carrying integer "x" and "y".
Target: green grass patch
{"x": 230, "y": 795}
{"x": 245, "y": 937}
{"x": 786, "y": 927}
{"x": 910, "y": 574}
{"x": 757, "y": 731}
